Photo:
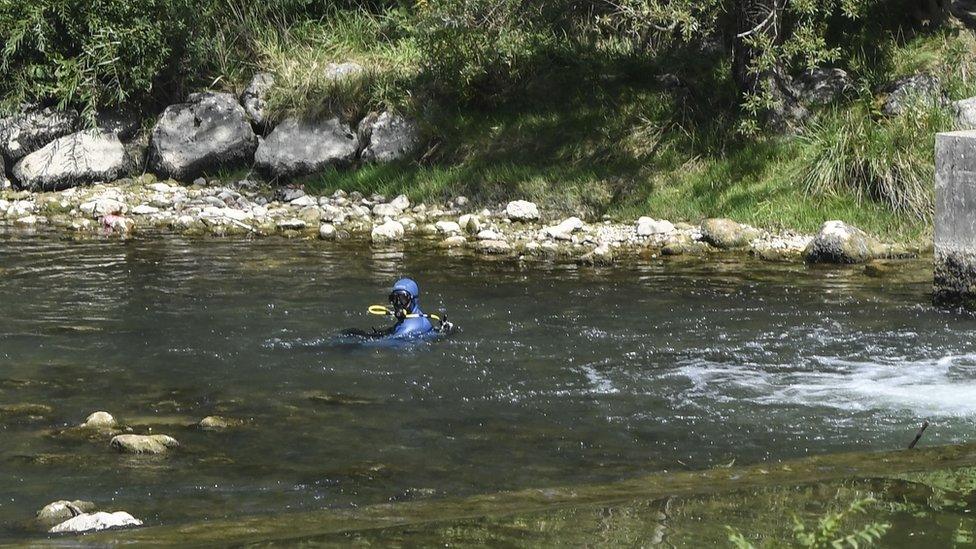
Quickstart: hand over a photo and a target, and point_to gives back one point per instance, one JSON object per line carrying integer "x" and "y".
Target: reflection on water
{"x": 561, "y": 374}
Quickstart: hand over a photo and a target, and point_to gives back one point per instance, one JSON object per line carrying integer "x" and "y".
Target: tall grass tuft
{"x": 888, "y": 160}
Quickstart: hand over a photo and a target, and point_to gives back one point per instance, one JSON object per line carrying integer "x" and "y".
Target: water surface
{"x": 561, "y": 375}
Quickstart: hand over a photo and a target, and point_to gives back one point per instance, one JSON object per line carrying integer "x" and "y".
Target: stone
{"x": 453, "y": 241}
{"x": 838, "y": 242}
{"x": 647, "y": 226}
{"x": 62, "y": 510}
{"x": 327, "y": 231}
{"x": 338, "y": 72}
{"x": 99, "y": 421}
{"x": 600, "y": 255}
{"x": 219, "y": 423}
{"x": 103, "y": 206}
{"x": 917, "y": 88}
{"x": 521, "y": 210}
{"x": 255, "y": 98}
{"x": 298, "y": 147}
{"x": 24, "y": 133}
{"x": 125, "y": 124}
{"x": 76, "y": 159}
{"x": 291, "y": 225}
{"x": 143, "y": 444}
{"x": 303, "y": 201}
{"x": 118, "y": 223}
{"x": 955, "y": 214}
{"x": 822, "y": 86}
{"x": 401, "y": 202}
{"x": 447, "y": 227}
{"x": 389, "y": 231}
{"x": 564, "y": 230}
{"x": 208, "y": 132}
{"x": 488, "y": 234}
{"x": 4, "y": 182}
{"x": 470, "y": 223}
{"x": 727, "y": 234}
{"x": 386, "y": 210}
{"x": 387, "y": 137}
{"x": 91, "y": 522}
{"x": 493, "y": 246}
{"x": 964, "y": 112}
{"x": 145, "y": 209}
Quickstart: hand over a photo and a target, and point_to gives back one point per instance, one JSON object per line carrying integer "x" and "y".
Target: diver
{"x": 411, "y": 321}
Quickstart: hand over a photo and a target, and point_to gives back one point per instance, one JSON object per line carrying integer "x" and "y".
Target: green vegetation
{"x": 673, "y": 109}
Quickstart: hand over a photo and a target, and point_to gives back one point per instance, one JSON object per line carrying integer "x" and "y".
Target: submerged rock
{"x": 255, "y": 98}
{"x": 838, "y": 242}
{"x": 24, "y": 410}
{"x": 522, "y": 210}
{"x": 208, "y": 132}
{"x": 219, "y": 423}
{"x": 91, "y": 522}
{"x": 22, "y": 134}
{"x": 143, "y": 444}
{"x": 327, "y": 231}
{"x": 298, "y": 147}
{"x": 338, "y": 399}
{"x": 727, "y": 234}
{"x": 388, "y": 137}
{"x": 76, "y": 159}
{"x": 62, "y": 510}
{"x": 601, "y": 255}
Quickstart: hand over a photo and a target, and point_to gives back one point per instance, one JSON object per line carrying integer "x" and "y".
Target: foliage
{"x": 827, "y": 532}
{"x": 91, "y": 53}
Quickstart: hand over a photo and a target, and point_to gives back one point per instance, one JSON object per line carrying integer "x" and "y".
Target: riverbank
{"x": 518, "y": 228}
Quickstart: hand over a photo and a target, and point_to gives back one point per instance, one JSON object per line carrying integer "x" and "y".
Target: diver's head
{"x": 405, "y": 295}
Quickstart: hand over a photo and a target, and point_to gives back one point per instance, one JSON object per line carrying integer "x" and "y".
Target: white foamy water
{"x": 941, "y": 387}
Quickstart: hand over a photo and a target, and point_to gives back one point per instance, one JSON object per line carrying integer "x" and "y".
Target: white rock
{"x": 327, "y": 231}
{"x": 647, "y": 226}
{"x": 401, "y": 202}
{"x": 99, "y": 420}
{"x": 19, "y": 208}
{"x": 145, "y": 209}
{"x": 565, "y": 229}
{"x": 488, "y": 234}
{"x": 83, "y": 157}
{"x": 447, "y": 227}
{"x": 521, "y": 210}
{"x": 453, "y": 241}
{"x": 386, "y": 210}
{"x": 103, "y": 206}
{"x": 90, "y": 522}
{"x": 303, "y": 201}
{"x": 162, "y": 188}
{"x": 387, "y": 232}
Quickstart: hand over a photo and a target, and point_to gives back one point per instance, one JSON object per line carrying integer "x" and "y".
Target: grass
{"x": 603, "y": 134}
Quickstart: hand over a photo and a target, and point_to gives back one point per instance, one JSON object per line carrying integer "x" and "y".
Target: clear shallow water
{"x": 561, "y": 374}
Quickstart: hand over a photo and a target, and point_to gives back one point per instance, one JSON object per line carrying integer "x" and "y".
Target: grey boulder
{"x": 388, "y": 137}
{"x": 913, "y": 90}
{"x": 255, "y": 98}
{"x": 821, "y": 86}
{"x": 72, "y": 160}
{"x": 208, "y": 132}
{"x": 838, "y": 242}
{"x": 964, "y": 111}
{"x": 300, "y": 147}
{"x": 62, "y": 510}
{"x": 727, "y": 234}
{"x": 22, "y": 134}
{"x": 121, "y": 122}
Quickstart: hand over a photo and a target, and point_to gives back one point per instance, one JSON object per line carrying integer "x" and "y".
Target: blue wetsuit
{"x": 411, "y": 327}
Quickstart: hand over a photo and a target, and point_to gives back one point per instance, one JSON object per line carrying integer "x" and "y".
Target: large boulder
{"x": 838, "y": 242}
{"x": 208, "y": 132}
{"x": 122, "y": 122}
{"x": 387, "y": 137}
{"x": 72, "y": 160}
{"x": 298, "y": 147}
{"x": 92, "y": 522}
{"x": 255, "y": 98}
{"x": 916, "y": 89}
{"x": 4, "y": 182}
{"x": 821, "y": 86}
{"x": 964, "y": 111}
{"x": 727, "y": 234}
{"x": 522, "y": 210}
{"x": 22, "y": 134}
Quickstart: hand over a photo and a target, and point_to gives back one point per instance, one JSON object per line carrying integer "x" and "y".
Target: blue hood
{"x": 411, "y": 287}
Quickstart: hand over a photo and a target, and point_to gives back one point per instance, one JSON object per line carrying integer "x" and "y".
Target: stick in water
{"x": 918, "y": 435}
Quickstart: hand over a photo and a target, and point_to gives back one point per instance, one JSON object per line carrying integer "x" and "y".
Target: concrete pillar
{"x": 955, "y": 214}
